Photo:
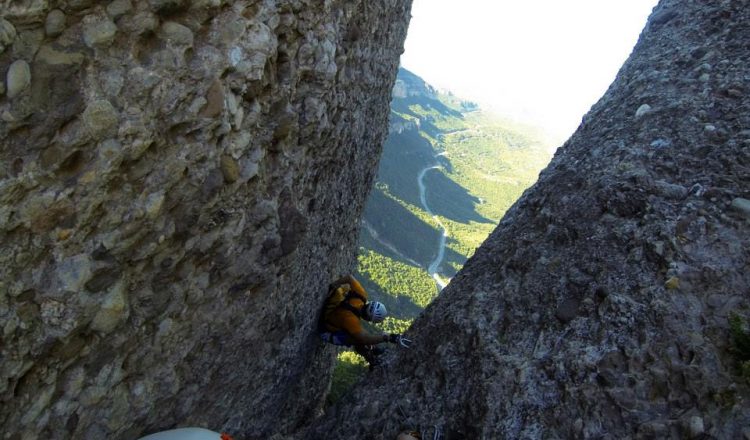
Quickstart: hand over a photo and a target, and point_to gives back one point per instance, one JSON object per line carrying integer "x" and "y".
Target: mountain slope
{"x": 473, "y": 166}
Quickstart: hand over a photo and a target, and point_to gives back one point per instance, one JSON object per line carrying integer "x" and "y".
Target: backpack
{"x": 339, "y": 296}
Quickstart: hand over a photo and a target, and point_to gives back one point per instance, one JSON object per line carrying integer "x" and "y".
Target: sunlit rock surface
{"x": 599, "y": 307}
{"x": 179, "y": 181}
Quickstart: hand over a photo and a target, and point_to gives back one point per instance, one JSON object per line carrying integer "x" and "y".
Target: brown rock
{"x": 214, "y": 100}
{"x": 230, "y": 169}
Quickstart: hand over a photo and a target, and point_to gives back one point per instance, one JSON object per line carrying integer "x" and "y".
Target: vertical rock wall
{"x": 179, "y": 181}
{"x": 599, "y": 307}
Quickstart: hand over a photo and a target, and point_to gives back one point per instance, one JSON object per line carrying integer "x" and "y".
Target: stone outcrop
{"x": 179, "y": 181}
{"x": 599, "y": 306}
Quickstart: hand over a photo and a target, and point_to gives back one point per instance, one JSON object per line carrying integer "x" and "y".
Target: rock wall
{"x": 599, "y": 306}
{"x": 179, "y": 181}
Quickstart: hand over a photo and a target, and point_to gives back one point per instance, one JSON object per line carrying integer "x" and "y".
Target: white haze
{"x": 539, "y": 61}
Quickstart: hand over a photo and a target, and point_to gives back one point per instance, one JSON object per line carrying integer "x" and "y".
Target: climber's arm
{"x": 364, "y": 338}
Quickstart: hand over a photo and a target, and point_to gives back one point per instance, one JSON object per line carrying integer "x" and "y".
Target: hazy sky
{"x": 547, "y": 61}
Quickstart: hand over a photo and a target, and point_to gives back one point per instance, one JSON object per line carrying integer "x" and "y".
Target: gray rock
{"x": 27, "y": 12}
{"x": 670, "y": 190}
{"x": 18, "y": 78}
{"x": 230, "y": 169}
{"x": 27, "y": 43}
{"x": 54, "y": 25}
{"x": 98, "y": 32}
{"x": 567, "y": 310}
{"x": 742, "y": 206}
{"x": 118, "y": 8}
{"x": 695, "y": 427}
{"x": 74, "y": 272}
{"x": 100, "y": 118}
{"x": 52, "y": 57}
{"x": 7, "y": 34}
{"x": 642, "y": 111}
{"x": 176, "y": 34}
{"x": 661, "y": 143}
{"x": 113, "y": 311}
{"x": 144, "y": 22}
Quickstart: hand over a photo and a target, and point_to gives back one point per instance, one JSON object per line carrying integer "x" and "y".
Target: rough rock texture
{"x": 599, "y": 306}
{"x": 179, "y": 181}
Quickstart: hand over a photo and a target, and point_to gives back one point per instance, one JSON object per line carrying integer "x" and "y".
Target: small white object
{"x": 235, "y": 56}
{"x": 185, "y": 434}
{"x": 642, "y": 110}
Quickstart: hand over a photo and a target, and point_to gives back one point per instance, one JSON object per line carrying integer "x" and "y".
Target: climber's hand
{"x": 396, "y": 338}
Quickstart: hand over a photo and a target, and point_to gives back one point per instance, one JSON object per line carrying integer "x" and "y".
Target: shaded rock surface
{"x": 598, "y": 308}
{"x": 168, "y": 170}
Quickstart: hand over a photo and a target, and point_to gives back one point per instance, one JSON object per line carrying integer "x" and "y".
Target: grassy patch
{"x": 350, "y": 367}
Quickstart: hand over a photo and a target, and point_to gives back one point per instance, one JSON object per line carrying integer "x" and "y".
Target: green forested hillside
{"x": 482, "y": 165}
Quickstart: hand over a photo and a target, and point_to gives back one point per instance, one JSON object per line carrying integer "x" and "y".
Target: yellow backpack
{"x": 339, "y": 296}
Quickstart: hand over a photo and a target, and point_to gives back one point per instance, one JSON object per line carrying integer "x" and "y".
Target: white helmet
{"x": 375, "y": 312}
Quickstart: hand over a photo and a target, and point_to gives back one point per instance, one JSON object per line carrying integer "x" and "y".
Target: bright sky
{"x": 542, "y": 61}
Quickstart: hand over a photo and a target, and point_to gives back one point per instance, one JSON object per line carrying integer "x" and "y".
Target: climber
{"x": 340, "y": 321}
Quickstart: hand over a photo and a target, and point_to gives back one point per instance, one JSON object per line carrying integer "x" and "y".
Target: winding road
{"x": 433, "y": 267}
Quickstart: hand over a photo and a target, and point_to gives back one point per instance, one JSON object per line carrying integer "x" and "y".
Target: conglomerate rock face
{"x": 599, "y": 307}
{"x": 179, "y": 181}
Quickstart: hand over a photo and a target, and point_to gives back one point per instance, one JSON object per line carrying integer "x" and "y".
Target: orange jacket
{"x": 343, "y": 318}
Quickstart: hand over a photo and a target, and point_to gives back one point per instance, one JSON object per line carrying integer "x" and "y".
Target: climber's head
{"x": 374, "y": 312}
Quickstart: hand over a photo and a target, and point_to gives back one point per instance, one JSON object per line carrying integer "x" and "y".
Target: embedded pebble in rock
{"x": 672, "y": 283}
{"x": 18, "y": 78}
{"x": 54, "y": 25}
{"x": 742, "y": 206}
{"x": 144, "y": 22}
{"x": 118, "y": 8}
{"x": 696, "y": 427}
{"x": 171, "y": 166}
{"x": 660, "y": 143}
{"x": 230, "y": 169}
{"x": 176, "y": 34}
{"x": 642, "y": 110}
{"x": 112, "y": 311}
{"x": 7, "y": 34}
{"x": 100, "y": 118}
{"x": 98, "y": 32}
{"x": 53, "y": 57}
